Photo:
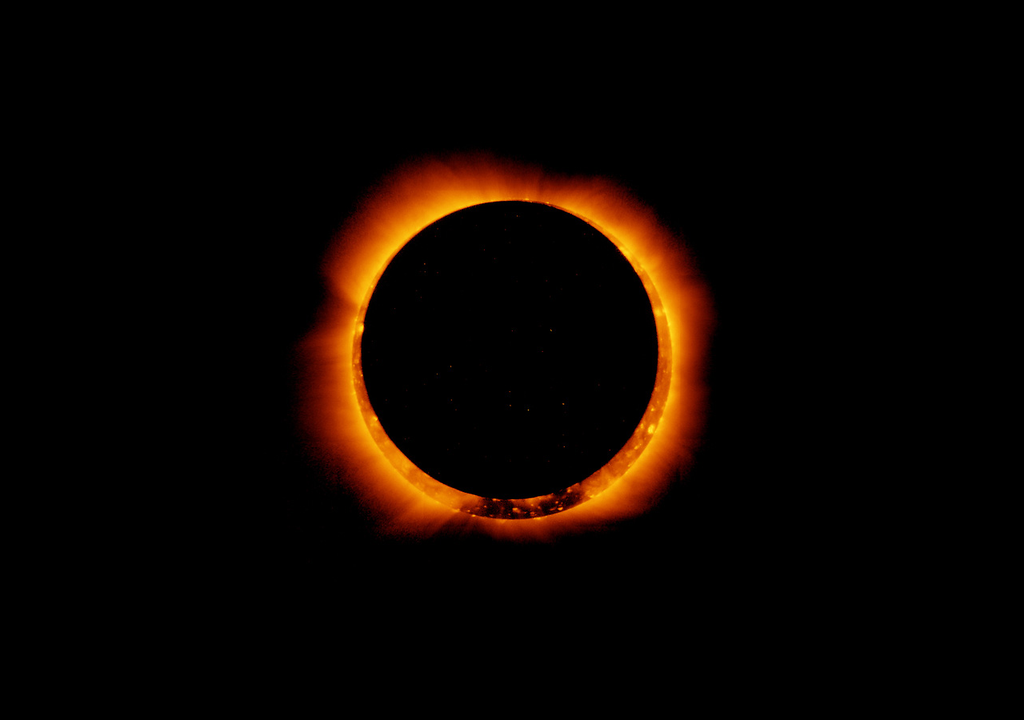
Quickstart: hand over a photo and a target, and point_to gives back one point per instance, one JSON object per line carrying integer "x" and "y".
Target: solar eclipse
{"x": 505, "y": 344}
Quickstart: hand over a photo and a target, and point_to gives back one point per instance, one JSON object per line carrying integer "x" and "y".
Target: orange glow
{"x": 340, "y": 424}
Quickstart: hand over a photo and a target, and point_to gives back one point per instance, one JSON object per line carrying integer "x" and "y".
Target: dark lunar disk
{"x": 509, "y": 350}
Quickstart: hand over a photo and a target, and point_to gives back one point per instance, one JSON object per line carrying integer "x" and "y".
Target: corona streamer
{"x": 341, "y": 427}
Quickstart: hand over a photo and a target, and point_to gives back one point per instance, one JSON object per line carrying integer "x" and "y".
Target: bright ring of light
{"x": 532, "y": 507}
{"x": 342, "y": 430}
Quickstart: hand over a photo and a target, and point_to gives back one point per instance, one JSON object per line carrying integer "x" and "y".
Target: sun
{"x": 343, "y": 431}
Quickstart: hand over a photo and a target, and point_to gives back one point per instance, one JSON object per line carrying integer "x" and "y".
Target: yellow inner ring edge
{"x": 540, "y": 505}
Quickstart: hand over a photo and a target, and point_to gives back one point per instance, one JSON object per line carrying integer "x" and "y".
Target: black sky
{"x": 720, "y": 171}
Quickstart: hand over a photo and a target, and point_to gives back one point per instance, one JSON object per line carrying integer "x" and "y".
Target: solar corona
{"x": 505, "y": 350}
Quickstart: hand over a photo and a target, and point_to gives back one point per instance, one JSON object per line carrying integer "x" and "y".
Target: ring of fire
{"x": 340, "y": 422}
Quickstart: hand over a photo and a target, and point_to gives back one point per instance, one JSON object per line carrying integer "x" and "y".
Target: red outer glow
{"x": 344, "y": 433}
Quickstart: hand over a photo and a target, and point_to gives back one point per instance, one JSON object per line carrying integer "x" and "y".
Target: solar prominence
{"x": 339, "y": 417}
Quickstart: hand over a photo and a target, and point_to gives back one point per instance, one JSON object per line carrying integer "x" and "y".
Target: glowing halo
{"x": 340, "y": 420}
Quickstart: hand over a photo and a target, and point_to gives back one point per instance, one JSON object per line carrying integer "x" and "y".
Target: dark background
{"x": 740, "y": 543}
